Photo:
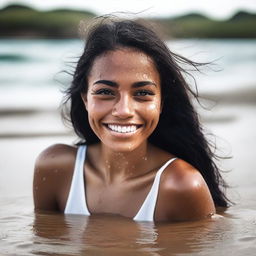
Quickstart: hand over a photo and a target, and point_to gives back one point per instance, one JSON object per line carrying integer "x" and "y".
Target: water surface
{"x": 29, "y": 122}
{"x": 25, "y": 233}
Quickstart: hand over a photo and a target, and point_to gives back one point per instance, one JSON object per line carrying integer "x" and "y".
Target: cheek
{"x": 96, "y": 109}
{"x": 154, "y": 107}
{"x": 153, "y": 110}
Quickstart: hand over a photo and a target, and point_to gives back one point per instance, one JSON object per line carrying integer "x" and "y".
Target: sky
{"x": 218, "y": 9}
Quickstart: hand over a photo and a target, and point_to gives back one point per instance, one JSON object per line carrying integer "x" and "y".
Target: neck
{"x": 123, "y": 165}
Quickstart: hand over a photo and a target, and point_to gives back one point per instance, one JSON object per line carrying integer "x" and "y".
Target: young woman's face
{"x": 123, "y": 98}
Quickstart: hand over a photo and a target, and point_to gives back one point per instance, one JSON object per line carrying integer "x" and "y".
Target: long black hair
{"x": 179, "y": 130}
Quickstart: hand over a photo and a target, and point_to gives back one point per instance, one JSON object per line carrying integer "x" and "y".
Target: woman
{"x": 142, "y": 153}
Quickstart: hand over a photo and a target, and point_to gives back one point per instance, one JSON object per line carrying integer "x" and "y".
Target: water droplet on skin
{"x": 144, "y": 76}
{"x": 152, "y": 107}
{"x": 56, "y": 170}
{"x": 44, "y": 179}
{"x": 36, "y": 188}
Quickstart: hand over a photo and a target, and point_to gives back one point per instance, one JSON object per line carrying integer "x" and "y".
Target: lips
{"x": 123, "y": 128}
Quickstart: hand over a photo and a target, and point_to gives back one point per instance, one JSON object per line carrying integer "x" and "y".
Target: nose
{"x": 123, "y": 107}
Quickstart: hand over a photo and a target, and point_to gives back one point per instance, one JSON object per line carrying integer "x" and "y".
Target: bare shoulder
{"x": 184, "y": 194}
{"x": 52, "y": 174}
{"x": 55, "y": 155}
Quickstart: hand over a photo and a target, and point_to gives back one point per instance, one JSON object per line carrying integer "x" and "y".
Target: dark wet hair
{"x": 179, "y": 130}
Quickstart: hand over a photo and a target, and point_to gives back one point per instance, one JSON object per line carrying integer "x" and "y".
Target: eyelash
{"x": 103, "y": 91}
{"x": 145, "y": 93}
{"x": 108, "y": 92}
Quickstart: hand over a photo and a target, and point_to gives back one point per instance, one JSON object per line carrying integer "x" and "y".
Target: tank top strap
{"x": 147, "y": 210}
{"x": 76, "y": 203}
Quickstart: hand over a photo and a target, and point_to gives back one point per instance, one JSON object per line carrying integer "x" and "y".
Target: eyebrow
{"x": 134, "y": 85}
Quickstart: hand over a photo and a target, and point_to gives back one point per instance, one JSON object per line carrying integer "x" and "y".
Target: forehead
{"x": 124, "y": 61}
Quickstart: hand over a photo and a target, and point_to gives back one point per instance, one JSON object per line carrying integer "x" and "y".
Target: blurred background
{"x": 41, "y": 39}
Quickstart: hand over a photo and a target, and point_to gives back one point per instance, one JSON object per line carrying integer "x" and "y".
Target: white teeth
{"x": 122, "y": 129}
{"x": 133, "y": 128}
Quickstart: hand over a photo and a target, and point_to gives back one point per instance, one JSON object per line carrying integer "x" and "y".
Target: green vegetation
{"x": 241, "y": 25}
{"x": 22, "y": 21}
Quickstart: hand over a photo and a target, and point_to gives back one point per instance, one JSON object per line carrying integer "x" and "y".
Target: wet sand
{"x": 244, "y": 96}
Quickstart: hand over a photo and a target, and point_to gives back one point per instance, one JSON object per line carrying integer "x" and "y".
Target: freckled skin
{"x": 121, "y": 168}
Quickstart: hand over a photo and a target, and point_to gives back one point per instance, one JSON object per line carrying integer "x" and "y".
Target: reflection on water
{"x": 25, "y": 233}
{"x": 108, "y": 235}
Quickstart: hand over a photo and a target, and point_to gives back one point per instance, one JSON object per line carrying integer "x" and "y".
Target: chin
{"x": 122, "y": 147}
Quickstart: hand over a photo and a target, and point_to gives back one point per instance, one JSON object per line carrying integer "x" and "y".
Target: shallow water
{"x": 23, "y": 134}
{"x": 25, "y": 233}
{"x": 22, "y": 232}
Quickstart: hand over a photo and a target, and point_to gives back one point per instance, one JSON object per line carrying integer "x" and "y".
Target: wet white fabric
{"x": 76, "y": 203}
{"x": 147, "y": 210}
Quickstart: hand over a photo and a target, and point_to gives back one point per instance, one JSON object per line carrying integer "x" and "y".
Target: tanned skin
{"x": 123, "y": 90}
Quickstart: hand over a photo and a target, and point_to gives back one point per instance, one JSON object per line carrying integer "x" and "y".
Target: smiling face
{"x": 123, "y": 100}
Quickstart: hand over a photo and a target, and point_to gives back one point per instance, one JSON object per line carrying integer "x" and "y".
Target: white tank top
{"x": 76, "y": 203}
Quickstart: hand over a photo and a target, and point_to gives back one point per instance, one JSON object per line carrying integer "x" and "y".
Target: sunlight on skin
{"x": 123, "y": 67}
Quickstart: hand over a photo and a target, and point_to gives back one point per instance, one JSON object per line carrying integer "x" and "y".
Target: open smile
{"x": 123, "y": 128}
